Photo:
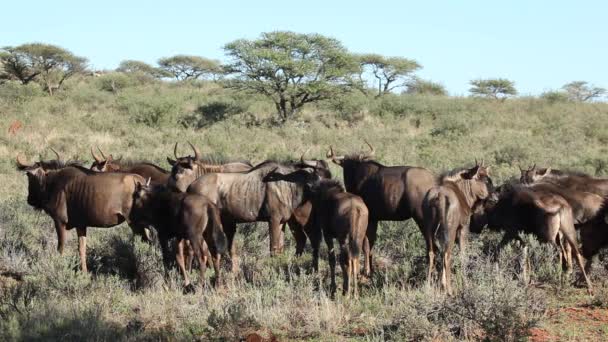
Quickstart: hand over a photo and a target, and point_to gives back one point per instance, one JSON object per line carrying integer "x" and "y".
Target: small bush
{"x": 510, "y": 155}
{"x": 154, "y": 111}
{"x": 231, "y": 324}
{"x": 212, "y": 112}
{"x": 17, "y": 93}
{"x": 115, "y": 82}
{"x": 450, "y": 127}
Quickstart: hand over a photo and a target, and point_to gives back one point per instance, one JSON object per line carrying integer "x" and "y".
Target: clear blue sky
{"x": 540, "y": 45}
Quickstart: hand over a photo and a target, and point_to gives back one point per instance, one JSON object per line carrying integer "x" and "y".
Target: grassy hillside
{"x": 126, "y": 298}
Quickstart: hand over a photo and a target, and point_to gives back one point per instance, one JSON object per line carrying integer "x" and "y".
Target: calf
{"x": 190, "y": 218}
{"x": 340, "y": 215}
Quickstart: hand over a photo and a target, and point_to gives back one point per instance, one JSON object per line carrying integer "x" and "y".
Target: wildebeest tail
{"x": 217, "y": 231}
{"x": 355, "y": 231}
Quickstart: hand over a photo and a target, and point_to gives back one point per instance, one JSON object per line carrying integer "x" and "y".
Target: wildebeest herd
{"x": 199, "y": 203}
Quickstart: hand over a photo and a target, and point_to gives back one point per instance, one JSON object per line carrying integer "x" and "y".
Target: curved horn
{"x": 534, "y": 166}
{"x": 148, "y": 181}
{"x": 482, "y": 161}
{"x": 97, "y": 159}
{"x": 100, "y": 151}
{"x": 21, "y": 162}
{"x": 175, "y": 151}
{"x": 371, "y": 148}
{"x": 56, "y": 153}
{"x": 197, "y": 153}
{"x": 303, "y": 154}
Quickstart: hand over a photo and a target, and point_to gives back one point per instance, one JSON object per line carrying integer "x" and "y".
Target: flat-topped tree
{"x": 495, "y": 88}
{"x": 389, "y": 72}
{"x": 50, "y": 65}
{"x": 186, "y": 67}
{"x": 582, "y": 91}
{"x": 139, "y": 67}
{"x": 290, "y": 68}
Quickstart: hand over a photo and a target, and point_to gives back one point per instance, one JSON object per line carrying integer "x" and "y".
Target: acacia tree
{"x": 139, "y": 67}
{"x": 424, "y": 87}
{"x": 290, "y": 68}
{"x": 50, "y": 65}
{"x": 581, "y": 91}
{"x": 496, "y": 88}
{"x": 388, "y": 71}
{"x": 185, "y": 67}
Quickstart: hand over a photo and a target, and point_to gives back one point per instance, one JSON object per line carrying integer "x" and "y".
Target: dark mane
{"x": 269, "y": 162}
{"x": 450, "y": 173}
{"x": 566, "y": 173}
{"x": 327, "y": 184}
{"x": 84, "y": 169}
{"x": 55, "y": 164}
{"x": 133, "y": 162}
{"x": 360, "y": 157}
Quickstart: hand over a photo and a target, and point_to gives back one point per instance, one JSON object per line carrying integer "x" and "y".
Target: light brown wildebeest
{"x": 391, "y": 193}
{"x": 447, "y": 210}
{"x": 191, "y": 218}
{"x": 245, "y": 197}
{"x": 147, "y": 170}
{"x": 517, "y": 208}
{"x": 76, "y": 197}
{"x": 340, "y": 215}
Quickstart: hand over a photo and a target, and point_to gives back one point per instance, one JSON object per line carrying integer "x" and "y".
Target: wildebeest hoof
{"x": 189, "y": 289}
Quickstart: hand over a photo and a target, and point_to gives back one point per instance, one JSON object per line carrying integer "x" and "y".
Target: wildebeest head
{"x": 533, "y": 174}
{"x": 103, "y": 163}
{"x": 355, "y": 158}
{"x": 36, "y": 175}
{"x": 474, "y": 183}
{"x": 310, "y": 177}
{"x": 184, "y": 169}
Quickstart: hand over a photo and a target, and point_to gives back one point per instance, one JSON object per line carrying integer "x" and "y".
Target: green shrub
{"x": 510, "y": 155}
{"x": 115, "y": 82}
{"x": 153, "y": 111}
{"x": 16, "y": 93}
{"x": 212, "y": 112}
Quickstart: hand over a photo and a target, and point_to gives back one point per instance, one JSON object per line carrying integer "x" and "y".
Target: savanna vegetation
{"x": 275, "y": 98}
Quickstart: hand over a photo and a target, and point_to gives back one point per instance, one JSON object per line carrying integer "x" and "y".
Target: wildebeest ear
{"x": 171, "y": 161}
{"x": 470, "y": 173}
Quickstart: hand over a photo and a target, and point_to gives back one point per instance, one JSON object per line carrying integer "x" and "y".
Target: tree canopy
{"x": 389, "y": 72}
{"x": 133, "y": 66}
{"x": 424, "y": 87}
{"x": 496, "y": 88}
{"x": 47, "y": 64}
{"x": 582, "y": 91}
{"x": 185, "y": 67}
{"x": 290, "y": 68}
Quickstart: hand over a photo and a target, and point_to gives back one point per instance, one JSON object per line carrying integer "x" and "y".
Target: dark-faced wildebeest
{"x": 147, "y": 170}
{"x": 517, "y": 208}
{"x": 190, "y": 218}
{"x": 447, "y": 210}
{"x": 76, "y": 197}
{"x": 391, "y": 193}
{"x": 185, "y": 170}
{"x": 340, "y": 215}
{"x": 245, "y": 197}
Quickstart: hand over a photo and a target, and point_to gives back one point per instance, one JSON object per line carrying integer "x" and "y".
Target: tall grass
{"x": 43, "y": 296}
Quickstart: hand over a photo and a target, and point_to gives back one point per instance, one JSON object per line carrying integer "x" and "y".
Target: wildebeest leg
{"x": 275, "y": 235}
{"x": 430, "y": 255}
{"x": 82, "y": 247}
{"x": 463, "y": 233}
{"x": 331, "y": 257}
{"x": 567, "y": 228}
{"x": 189, "y": 254}
{"x": 315, "y": 234}
{"x": 200, "y": 252}
{"x": 61, "y": 236}
{"x": 230, "y": 230}
{"x": 368, "y": 245}
{"x": 346, "y": 269}
{"x": 164, "y": 248}
{"x": 354, "y": 274}
{"x": 298, "y": 233}
{"x": 179, "y": 257}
